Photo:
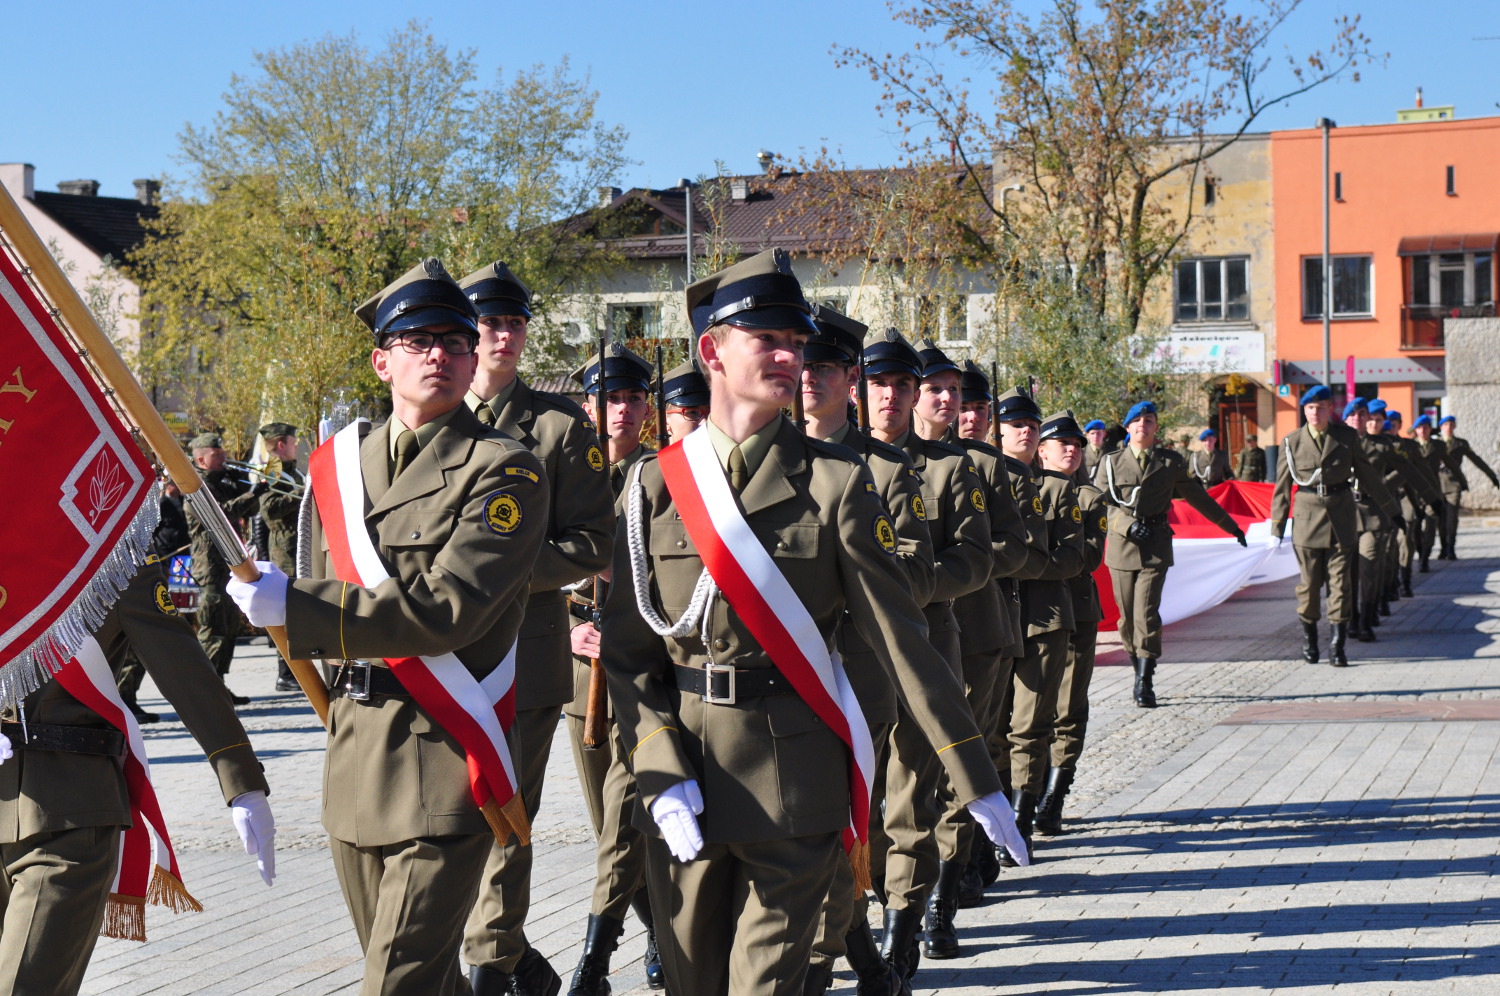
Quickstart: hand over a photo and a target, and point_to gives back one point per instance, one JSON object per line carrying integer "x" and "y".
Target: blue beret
{"x": 1137, "y": 410}
{"x": 1422, "y": 420}
{"x": 1357, "y": 405}
{"x": 1391, "y": 415}
{"x": 1387, "y": 425}
{"x": 1206, "y": 433}
{"x": 1319, "y": 392}
{"x": 1095, "y": 424}
{"x": 1446, "y": 419}
{"x": 1376, "y": 407}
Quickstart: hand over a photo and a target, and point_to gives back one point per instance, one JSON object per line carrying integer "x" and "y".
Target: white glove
{"x": 1274, "y": 542}
{"x": 997, "y": 819}
{"x": 675, "y": 812}
{"x": 257, "y": 828}
{"x": 6, "y": 751}
{"x": 264, "y": 601}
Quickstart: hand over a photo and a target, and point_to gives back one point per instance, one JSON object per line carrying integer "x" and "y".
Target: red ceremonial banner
{"x": 77, "y": 521}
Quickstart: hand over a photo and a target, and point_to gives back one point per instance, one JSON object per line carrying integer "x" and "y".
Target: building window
{"x": 1453, "y": 279}
{"x": 1210, "y": 191}
{"x": 1452, "y": 188}
{"x": 1338, "y": 187}
{"x": 635, "y": 321}
{"x": 944, "y": 317}
{"x": 1213, "y": 290}
{"x": 1353, "y": 287}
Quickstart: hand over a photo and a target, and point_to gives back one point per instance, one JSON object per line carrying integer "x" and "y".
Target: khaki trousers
{"x": 740, "y": 918}
{"x": 845, "y": 907}
{"x": 1370, "y": 570}
{"x": 906, "y": 867}
{"x": 1322, "y": 568}
{"x": 955, "y": 829}
{"x": 610, "y": 794}
{"x": 495, "y": 936}
{"x": 1034, "y": 690}
{"x": 1072, "y": 722}
{"x": 408, "y": 902}
{"x": 52, "y": 901}
{"x": 1450, "y": 521}
{"x": 997, "y": 732}
{"x": 1138, "y": 597}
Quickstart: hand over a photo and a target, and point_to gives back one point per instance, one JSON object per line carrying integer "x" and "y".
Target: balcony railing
{"x": 1422, "y": 324}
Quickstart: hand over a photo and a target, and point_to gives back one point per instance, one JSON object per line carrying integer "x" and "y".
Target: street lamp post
{"x": 1327, "y": 125}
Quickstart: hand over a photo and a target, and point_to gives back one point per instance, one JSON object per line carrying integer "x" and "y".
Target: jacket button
{"x": 416, "y": 535}
{"x": 780, "y": 545}
{"x": 315, "y": 652}
{"x": 721, "y": 644}
{"x": 681, "y": 544}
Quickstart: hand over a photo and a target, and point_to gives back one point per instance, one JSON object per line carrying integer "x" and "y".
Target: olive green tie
{"x": 485, "y": 414}
{"x": 406, "y": 451}
{"x": 739, "y": 473}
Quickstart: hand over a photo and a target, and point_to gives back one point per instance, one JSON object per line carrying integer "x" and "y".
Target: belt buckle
{"x": 357, "y": 682}
{"x": 1322, "y": 490}
{"x": 710, "y": 670}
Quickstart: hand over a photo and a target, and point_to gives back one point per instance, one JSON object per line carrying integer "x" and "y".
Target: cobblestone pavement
{"x": 1273, "y": 827}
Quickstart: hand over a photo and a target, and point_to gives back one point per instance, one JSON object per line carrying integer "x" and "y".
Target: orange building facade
{"x": 1415, "y": 227}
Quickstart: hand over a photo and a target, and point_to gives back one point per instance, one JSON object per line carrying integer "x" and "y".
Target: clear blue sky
{"x": 101, "y": 90}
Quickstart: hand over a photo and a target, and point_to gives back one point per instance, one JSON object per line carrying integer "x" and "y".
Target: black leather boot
{"x": 1310, "y": 642}
{"x": 533, "y": 976}
{"x": 939, "y": 939}
{"x": 484, "y": 981}
{"x": 875, "y": 975}
{"x": 1145, "y": 694}
{"x": 970, "y": 884}
{"x": 1024, "y": 803}
{"x": 899, "y": 945}
{"x": 817, "y": 981}
{"x": 1049, "y": 808}
{"x": 1337, "y": 633}
{"x": 1382, "y": 608}
{"x": 655, "y": 977}
{"x": 1364, "y": 624}
{"x": 1422, "y": 567}
{"x": 1135, "y": 665}
{"x": 591, "y": 977}
{"x": 983, "y": 861}
{"x": 1406, "y": 582}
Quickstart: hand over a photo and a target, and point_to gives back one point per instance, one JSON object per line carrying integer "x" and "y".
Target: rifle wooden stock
{"x": 153, "y": 428}
{"x": 596, "y": 710}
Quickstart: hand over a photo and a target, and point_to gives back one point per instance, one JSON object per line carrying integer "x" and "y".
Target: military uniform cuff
{"x": 238, "y": 771}
{"x": 970, "y": 770}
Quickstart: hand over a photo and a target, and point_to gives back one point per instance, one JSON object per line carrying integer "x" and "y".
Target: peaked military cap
{"x": 422, "y": 296}
{"x": 1097, "y": 423}
{"x": 1137, "y": 410}
{"x": 685, "y": 387}
{"x": 207, "y": 441}
{"x": 934, "y": 360}
{"x": 891, "y": 353}
{"x": 1313, "y": 395}
{"x": 973, "y": 382}
{"x": 275, "y": 430}
{"x": 1061, "y": 426}
{"x": 495, "y": 291}
{"x": 1016, "y": 404}
{"x": 759, "y": 293}
{"x": 838, "y": 339}
{"x": 623, "y": 371}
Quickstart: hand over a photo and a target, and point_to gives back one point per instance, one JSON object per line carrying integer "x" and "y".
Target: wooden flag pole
{"x": 128, "y": 393}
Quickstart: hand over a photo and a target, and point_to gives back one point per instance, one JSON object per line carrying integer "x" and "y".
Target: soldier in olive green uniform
{"x": 1047, "y": 607}
{"x": 958, "y": 520}
{"x": 1061, "y": 451}
{"x": 279, "y": 505}
{"x": 1251, "y": 465}
{"x": 64, "y": 801}
{"x": 458, "y": 513}
{"x": 745, "y": 885}
{"x": 830, "y": 374}
{"x": 985, "y": 628}
{"x": 1098, "y": 445}
{"x": 1459, "y": 450}
{"x": 1210, "y": 465}
{"x": 1424, "y": 485}
{"x": 218, "y": 619}
{"x": 1450, "y": 476}
{"x": 1325, "y": 461}
{"x": 1375, "y": 526}
{"x": 579, "y": 535}
{"x": 1139, "y": 483}
{"x": 604, "y": 772}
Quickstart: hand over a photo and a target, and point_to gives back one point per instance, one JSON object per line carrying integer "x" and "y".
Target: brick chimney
{"x": 79, "y": 188}
{"x": 607, "y": 195}
{"x": 148, "y": 192}
{"x": 1419, "y": 96}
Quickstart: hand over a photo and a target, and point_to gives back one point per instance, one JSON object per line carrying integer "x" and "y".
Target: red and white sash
{"x": 477, "y": 714}
{"x": 760, "y": 594}
{"x": 148, "y": 867}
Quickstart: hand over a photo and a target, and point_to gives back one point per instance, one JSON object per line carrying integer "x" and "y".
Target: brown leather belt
{"x": 724, "y": 685}
{"x": 72, "y": 739}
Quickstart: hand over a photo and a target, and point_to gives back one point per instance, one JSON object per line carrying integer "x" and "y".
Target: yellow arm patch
{"x": 919, "y": 507}
{"x": 503, "y": 513}
{"x": 976, "y": 498}
{"x": 162, "y": 596}
{"x": 885, "y": 534}
{"x": 523, "y": 472}
{"x": 1077, "y": 514}
{"x": 594, "y": 458}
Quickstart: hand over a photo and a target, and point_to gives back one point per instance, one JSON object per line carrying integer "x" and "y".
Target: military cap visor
{"x": 496, "y": 292}
{"x": 758, "y": 293}
{"x": 1015, "y": 405}
{"x": 892, "y": 354}
{"x": 1061, "y": 426}
{"x": 623, "y": 371}
{"x": 1316, "y": 394}
{"x": 974, "y": 384}
{"x": 838, "y": 338}
{"x": 685, "y": 387}
{"x": 275, "y": 430}
{"x": 935, "y": 361}
{"x": 207, "y": 441}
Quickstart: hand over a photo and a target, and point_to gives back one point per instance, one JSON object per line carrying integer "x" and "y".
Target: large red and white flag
{"x": 78, "y": 515}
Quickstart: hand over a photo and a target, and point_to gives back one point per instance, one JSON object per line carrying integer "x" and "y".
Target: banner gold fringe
{"x": 124, "y": 918}
{"x": 859, "y": 860}
{"x": 167, "y": 890}
{"x": 508, "y": 819}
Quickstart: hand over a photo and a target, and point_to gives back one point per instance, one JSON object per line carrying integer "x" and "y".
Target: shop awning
{"x": 1424, "y": 245}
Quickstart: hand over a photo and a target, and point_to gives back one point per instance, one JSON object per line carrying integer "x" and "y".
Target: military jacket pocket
{"x": 417, "y": 527}
{"x": 798, "y": 540}
{"x": 669, "y": 538}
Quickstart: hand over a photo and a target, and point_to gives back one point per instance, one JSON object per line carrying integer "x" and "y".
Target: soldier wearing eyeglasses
{"x": 580, "y": 536}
